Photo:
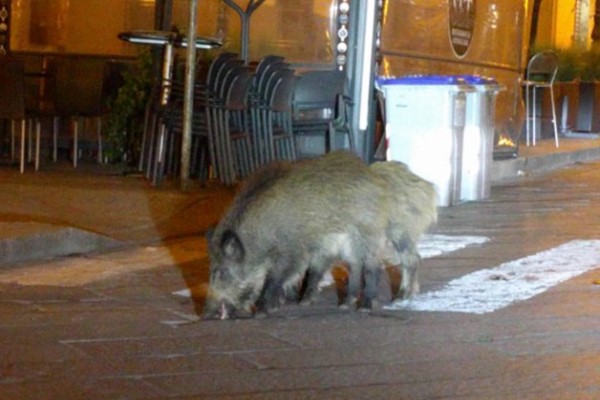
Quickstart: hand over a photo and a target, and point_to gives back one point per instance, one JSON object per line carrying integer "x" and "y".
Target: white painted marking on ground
{"x": 435, "y": 245}
{"x": 488, "y": 290}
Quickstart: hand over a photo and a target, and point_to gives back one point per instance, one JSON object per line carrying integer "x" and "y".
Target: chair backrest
{"x": 263, "y": 83}
{"x": 222, "y": 75}
{"x": 281, "y": 98}
{"x": 215, "y": 67}
{"x": 265, "y": 62}
{"x": 316, "y": 92}
{"x": 12, "y": 88}
{"x": 263, "y": 69}
{"x": 78, "y": 85}
{"x": 542, "y": 67}
{"x": 238, "y": 89}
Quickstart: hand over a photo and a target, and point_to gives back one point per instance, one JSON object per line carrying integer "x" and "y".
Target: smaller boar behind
{"x": 412, "y": 211}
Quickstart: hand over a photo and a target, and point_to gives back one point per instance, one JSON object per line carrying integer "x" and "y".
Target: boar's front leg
{"x": 272, "y": 296}
{"x": 372, "y": 275}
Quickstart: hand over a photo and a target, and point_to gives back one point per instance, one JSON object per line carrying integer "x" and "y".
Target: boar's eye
{"x": 232, "y": 246}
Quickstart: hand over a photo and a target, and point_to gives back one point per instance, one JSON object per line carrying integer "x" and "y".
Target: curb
{"x": 509, "y": 170}
{"x": 34, "y": 241}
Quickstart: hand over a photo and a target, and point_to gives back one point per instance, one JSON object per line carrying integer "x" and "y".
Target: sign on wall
{"x": 461, "y": 23}
{"x": 4, "y": 26}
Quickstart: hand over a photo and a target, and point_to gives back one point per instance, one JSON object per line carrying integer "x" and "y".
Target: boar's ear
{"x": 232, "y": 246}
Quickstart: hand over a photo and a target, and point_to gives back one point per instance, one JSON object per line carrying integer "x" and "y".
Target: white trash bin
{"x": 478, "y": 138}
{"x": 424, "y": 124}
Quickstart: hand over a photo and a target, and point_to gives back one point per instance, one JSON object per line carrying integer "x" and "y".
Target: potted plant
{"x": 568, "y": 78}
{"x": 585, "y": 116}
{"x": 125, "y": 122}
{"x": 577, "y": 95}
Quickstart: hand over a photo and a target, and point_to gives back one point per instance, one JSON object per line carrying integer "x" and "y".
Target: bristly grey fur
{"x": 289, "y": 219}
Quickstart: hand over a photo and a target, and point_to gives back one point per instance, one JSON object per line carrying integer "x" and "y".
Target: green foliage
{"x": 570, "y": 64}
{"x": 590, "y": 66}
{"x": 125, "y": 123}
{"x": 575, "y": 63}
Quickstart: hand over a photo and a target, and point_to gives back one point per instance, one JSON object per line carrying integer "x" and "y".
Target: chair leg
{"x": 75, "y": 141}
{"x": 554, "y": 117}
{"x": 534, "y": 116}
{"x": 23, "y": 138}
{"x": 30, "y": 129}
{"x": 13, "y": 147}
{"x": 55, "y": 124}
{"x": 151, "y": 143}
{"x": 99, "y": 134}
{"x": 158, "y": 167}
{"x": 527, "y": 116}
{"x": 38, "y": 132}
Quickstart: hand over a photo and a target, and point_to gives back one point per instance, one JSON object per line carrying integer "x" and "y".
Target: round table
{"x": 169, "y": 40}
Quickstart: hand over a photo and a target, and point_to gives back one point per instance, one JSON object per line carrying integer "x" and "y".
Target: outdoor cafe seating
{"x": 71, "y": 93}
{"x": 245, "y": 117}
{"x": 13, "y": 109}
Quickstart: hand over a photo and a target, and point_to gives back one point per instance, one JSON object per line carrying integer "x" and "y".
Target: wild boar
{"x": 410, "y": 208}
{"x": 292, "y": 218}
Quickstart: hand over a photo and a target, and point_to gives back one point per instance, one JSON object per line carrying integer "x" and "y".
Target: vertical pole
{"x": 188, "y": 103}
{"x": 361, "y": 73}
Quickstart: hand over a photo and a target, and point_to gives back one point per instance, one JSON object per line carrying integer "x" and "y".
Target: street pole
{"x": 188, "y": 101}
{"x": 361, "y": 73}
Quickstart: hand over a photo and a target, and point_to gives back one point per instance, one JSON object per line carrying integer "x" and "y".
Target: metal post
{"x": 361, "y": 73}
{"x": 245, "y": 16}
{"x": 188, "y": 103}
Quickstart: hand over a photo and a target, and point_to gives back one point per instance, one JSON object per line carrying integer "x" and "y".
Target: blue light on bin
{"x": 422, "y": 80}
{"x": 478, "y": 79}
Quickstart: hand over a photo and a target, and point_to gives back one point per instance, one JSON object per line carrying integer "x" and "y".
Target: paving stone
{"x": 109, "y": 327}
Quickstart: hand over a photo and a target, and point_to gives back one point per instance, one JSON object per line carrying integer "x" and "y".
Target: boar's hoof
{"x": 350, "y": 303}
{"x": 261, "y": 315}
{"x": 370, "y": 305}
{"x": 306, "y": 301}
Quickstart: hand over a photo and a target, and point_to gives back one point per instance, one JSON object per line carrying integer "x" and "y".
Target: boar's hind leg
{"x": 353, "y": 289}
{"x": 310, "y": 288}
{"x": 410, "y": 261}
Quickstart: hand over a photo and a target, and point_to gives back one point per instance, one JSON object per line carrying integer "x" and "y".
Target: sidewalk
{"x": 118, "y": 324}
{"x": 60, "y": 210}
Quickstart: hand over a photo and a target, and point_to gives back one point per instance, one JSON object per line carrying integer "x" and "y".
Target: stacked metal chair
{"x": 277, "y": 127}
{"x": 271, "y": 106}
{"x": 229, "y": 133}
{"x": 164, "y": 126}
{"x": 319, "y": 106}
{"x": 258, "y": 102}
{"x": 168, "y": 152}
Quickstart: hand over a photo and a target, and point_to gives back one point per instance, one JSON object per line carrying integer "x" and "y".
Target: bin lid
{"x": 421, "y": 80}
{"x": 478, "y": 79}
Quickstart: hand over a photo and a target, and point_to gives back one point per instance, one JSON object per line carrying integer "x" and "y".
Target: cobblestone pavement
{"x": 109, "y": 326}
